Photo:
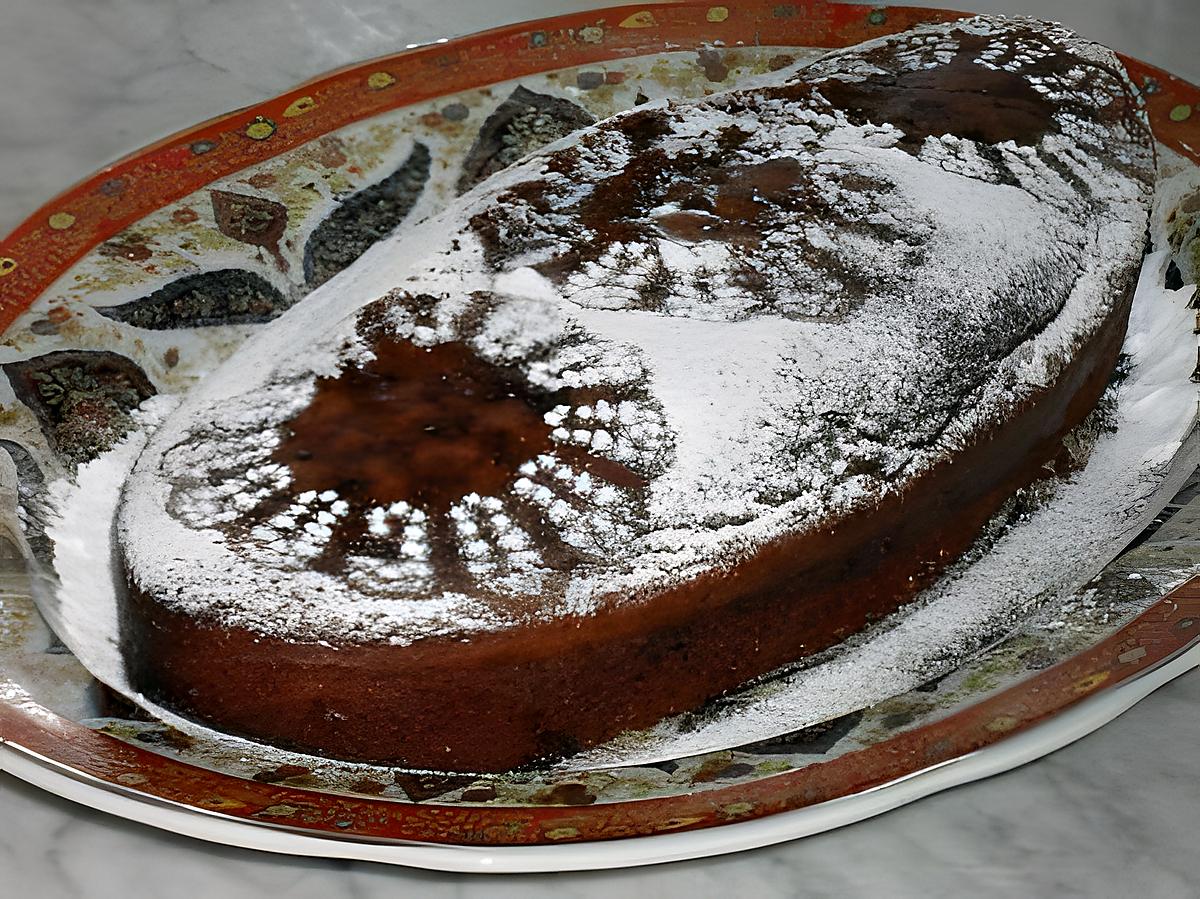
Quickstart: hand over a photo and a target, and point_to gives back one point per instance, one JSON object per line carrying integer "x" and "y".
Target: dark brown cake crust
{"x": 505, "y": 699}
{"x": 491, "y": 700}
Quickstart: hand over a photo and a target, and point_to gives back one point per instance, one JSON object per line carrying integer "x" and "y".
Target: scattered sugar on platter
{"x": 1047, "y": 556}
{"x": 1041, "y": 641}
{"x": 1127, "y": 473}
{"x": 1032, "y": 565}
{"x": 706, "y": 388}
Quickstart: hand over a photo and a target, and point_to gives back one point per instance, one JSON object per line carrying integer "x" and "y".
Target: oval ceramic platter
{"x": 143, "y": 277}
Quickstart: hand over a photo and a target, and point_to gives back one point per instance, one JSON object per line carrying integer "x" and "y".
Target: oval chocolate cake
{"x": 688, "y": 395}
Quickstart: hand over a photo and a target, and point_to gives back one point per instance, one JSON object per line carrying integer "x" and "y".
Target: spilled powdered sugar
{"x": 756, "y": 383}
{"x": 1037, "y": 561}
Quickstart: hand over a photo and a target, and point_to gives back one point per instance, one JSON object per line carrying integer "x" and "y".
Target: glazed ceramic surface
{"x": 142, "y": 278}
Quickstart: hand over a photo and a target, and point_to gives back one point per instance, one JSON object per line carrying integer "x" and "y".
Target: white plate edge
{"x": 1021, "y": 748}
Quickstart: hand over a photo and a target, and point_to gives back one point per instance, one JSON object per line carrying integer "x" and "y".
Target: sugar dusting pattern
{"x": 848, "y": 319}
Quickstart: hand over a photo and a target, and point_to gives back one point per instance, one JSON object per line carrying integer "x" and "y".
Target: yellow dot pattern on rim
{"x": 377, "y": 81}
{"x": 8, "y": 265}
{"x": 1181, "y": 113}
{"x": 300, "y": 107}
{"x": 717, "y": 13}
{"x": 220, "y": 803}
{"x": 643, "y": 19}
{"x": 1001, "y": 724}
{"x": 61, "y": 221}
{"x": 260, "y": 129}
{"x": 1091, "y": 682}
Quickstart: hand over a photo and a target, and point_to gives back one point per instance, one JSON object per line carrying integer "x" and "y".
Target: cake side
{"x": 506, "y": 698}
{"x": 651, "y": 378}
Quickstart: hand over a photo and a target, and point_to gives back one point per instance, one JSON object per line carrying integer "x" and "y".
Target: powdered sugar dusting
{"x": 1038, "y": 561}
{"x": 1035, "y": 564}
{"x": 864, "y": 311}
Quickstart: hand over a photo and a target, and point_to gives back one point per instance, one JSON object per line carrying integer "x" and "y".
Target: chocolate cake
{"x": 684, "y": 397}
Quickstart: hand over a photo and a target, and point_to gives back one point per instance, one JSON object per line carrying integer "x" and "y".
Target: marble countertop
{"x": 88, "y": 80}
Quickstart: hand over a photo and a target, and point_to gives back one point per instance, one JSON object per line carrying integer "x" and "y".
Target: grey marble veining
{"x": 87, "y": 80}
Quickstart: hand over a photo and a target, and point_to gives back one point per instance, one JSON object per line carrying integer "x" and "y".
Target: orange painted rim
{"x": 43, "y": 247}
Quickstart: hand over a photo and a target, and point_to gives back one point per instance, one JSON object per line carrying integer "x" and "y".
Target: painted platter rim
{"x": 1043, "y": 713}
